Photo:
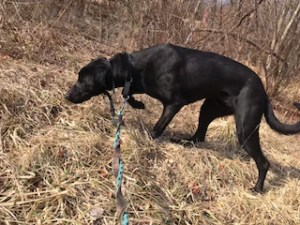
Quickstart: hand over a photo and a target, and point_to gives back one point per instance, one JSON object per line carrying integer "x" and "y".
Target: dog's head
{"x": 93, "y": 80}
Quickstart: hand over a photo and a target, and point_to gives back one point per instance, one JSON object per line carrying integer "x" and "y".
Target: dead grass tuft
{"x": 56, "y": 161}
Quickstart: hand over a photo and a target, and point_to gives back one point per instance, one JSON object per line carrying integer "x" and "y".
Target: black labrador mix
{"x": 178, "y": 76}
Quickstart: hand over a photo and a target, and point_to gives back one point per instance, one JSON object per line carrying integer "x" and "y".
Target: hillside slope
{"x": 55, "y": 157}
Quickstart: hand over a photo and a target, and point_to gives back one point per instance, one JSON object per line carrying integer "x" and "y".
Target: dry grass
{"x": 55, "y": 157}
{"x": 56, "y": 161}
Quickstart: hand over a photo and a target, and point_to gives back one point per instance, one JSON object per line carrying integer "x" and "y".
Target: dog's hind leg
{"x": 211, "y": 109}
{"x": 247, "y": 116}
{"x": 169, "y": 112}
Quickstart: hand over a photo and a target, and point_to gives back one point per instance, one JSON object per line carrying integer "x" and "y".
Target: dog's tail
{"x": 276, "y": 125}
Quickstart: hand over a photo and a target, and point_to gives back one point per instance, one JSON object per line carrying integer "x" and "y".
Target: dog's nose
{"x": 68, "y": 96}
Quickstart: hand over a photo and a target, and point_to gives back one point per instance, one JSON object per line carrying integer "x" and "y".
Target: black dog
{"x": 179, "y": 76}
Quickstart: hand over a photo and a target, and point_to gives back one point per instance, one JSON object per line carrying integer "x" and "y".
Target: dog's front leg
{"x": 168, "y": 113}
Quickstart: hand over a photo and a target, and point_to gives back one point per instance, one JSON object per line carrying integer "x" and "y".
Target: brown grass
{"x": 55, "y": 157}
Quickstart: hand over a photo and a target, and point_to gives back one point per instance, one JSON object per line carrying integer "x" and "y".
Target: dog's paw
{"x": 155, "y": 134}
{"x": 195, "y": 140}
{"x": 254, "y": 191}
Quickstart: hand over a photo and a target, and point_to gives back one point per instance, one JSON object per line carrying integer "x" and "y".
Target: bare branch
{"x": 235, "y": 35}
{"x": 246, "y": 15}
{"x": 288, "y": 27}
{"x": 193, "y": 29}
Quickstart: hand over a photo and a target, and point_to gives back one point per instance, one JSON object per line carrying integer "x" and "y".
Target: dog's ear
{"x": 116, "y": 64}
{"x": 120, "y": 64}
{"x": 103, "y": 74}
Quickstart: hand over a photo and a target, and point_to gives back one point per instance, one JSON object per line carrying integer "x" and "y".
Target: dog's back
{"x": 196, "y": 74}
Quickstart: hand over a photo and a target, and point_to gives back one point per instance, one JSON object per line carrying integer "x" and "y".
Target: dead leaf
{"x": 196, "y": 189}
{"x": 103, "y": 174}
{"x": 96, "y": 213}
{"x": 191, "y": 184}
{"x": 111, "y": 194}
{"x": 6, "y": 57}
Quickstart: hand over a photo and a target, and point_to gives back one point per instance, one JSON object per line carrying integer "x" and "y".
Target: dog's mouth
{"x": 75, "y": 95}
{"x": 77, "y": 101}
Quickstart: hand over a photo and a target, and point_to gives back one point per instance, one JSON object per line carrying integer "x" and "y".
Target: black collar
{"x": 126, "y": 64}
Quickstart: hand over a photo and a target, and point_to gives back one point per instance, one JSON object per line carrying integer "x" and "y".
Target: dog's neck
{"x": 121, "y": 67}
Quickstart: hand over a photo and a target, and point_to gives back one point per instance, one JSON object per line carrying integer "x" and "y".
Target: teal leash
{"x": 118, "y": 169}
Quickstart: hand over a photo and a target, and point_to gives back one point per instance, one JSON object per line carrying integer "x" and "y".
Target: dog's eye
{"x": 79, "y": 83}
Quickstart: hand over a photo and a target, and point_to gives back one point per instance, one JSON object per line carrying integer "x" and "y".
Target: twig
{"x": 194, "y": 28}
{"x": 288, "y": 27}
{"x": 246, "y": 15}
{"x": 5, "y": 204}
{"x": 63, "y": 12}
